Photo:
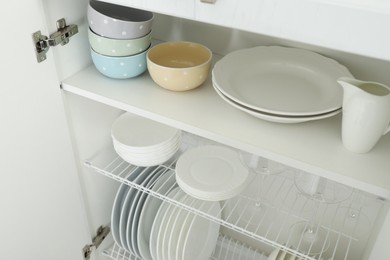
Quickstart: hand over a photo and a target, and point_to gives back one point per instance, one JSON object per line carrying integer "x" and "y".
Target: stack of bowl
{"x": 120, "y": 38}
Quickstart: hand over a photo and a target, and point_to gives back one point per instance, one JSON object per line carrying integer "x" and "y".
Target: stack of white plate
{"x": 144, "y": 142}
{"x": 211, "y": 173}
{"x": 152, "y": 229}
{"x": 279, "y": 84}
{"x": 134, "y": 211}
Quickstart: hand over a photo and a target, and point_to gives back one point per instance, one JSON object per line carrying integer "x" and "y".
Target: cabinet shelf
{"x": 272, "y": 229}
{"x": 314, "y": 146}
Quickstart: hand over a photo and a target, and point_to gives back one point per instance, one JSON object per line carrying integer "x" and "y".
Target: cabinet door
{"x": 42, "y": 214}
{"x": 249, "y": 15}
{"x": 179, "y": 8}
{"x": 344, "y": 25}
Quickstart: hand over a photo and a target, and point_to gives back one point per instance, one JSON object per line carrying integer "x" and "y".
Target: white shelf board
{"x": 314, "y": 146}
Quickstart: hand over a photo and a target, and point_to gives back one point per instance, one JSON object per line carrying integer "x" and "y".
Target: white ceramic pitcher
{"x": 366, "y": 113}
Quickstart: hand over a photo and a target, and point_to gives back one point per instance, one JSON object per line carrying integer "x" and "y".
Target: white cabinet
{"x": 91, "y": 102}
{"x": 314, "y": 147}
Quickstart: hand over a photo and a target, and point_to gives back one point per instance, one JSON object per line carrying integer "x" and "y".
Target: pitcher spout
{"x": 351, "y": 85}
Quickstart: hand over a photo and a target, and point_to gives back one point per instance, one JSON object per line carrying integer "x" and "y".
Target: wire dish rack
{"x": 226, "y": 249}
{"x": 345, "y": 225}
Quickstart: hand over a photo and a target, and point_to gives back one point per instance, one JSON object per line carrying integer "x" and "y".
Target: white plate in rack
{"x": 118, "y": 203}
{"x": 173, "y": 236}
{"x": 211, "y": 173}
{"x": 164, "y": 224}
{"x": 280, "y": 80}
{"x": 201, "y": 234}
{"x": 169, "y": 235}
{"x": 125, "y": 211}
{"x": 157, "y": 223}
{"x": 137, "y": 204}
{"x": 164, "y": 184}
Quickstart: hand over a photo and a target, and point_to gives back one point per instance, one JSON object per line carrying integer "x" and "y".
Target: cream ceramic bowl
{"x": 118, "y": 47}
{"x": 118, "y": 22}
{"x": 179, "y": 66}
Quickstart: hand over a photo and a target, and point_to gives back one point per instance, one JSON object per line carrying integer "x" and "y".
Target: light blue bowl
{"x": 120, "y": 67}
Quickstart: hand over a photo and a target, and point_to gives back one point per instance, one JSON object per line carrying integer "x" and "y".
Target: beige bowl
{"x": 179, "y": 66}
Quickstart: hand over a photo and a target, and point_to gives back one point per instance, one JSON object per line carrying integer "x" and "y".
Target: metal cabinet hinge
{"x": 43, "y": 43}
{"x": 101, "y": 234}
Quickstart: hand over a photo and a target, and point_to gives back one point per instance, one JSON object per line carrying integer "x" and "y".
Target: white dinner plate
{"x": 184, "y": 228}
{"x": 139, "y": 132}
{"x": 135, "y": 210}
{"x": 274, "y": 254}
{"x": 171, "y": 209}
{"x": 144, "y": 142}
{"x": 125, "y": 211}
{"x": 164, "y": 184}
{"x": 281, "y": 255}
{"x": 157, "y": 223}
{"x": 170, "y": 234}
{"x": 155, "y": 149}
{"x": 175, "y": 238}
{"x": 118, "y": 203}
{"x": 211, "y": 172}
{"x": 280, "y": 80}
{"x": 148, "y": 155}
{"x": 202, "y": 234}
{"x": 273, "y": 117}
{"x": 147, "y": 161}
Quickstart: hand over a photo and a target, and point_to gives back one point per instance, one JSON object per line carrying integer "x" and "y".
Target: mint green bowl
{"x": 118, "y": 47}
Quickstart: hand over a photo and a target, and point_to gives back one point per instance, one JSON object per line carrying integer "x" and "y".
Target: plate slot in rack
{"x": 282, "y": 207}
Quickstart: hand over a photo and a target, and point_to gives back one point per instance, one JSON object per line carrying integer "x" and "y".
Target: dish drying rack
{"x": 226, "y": 249}
{"x": 258, "y": 238}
